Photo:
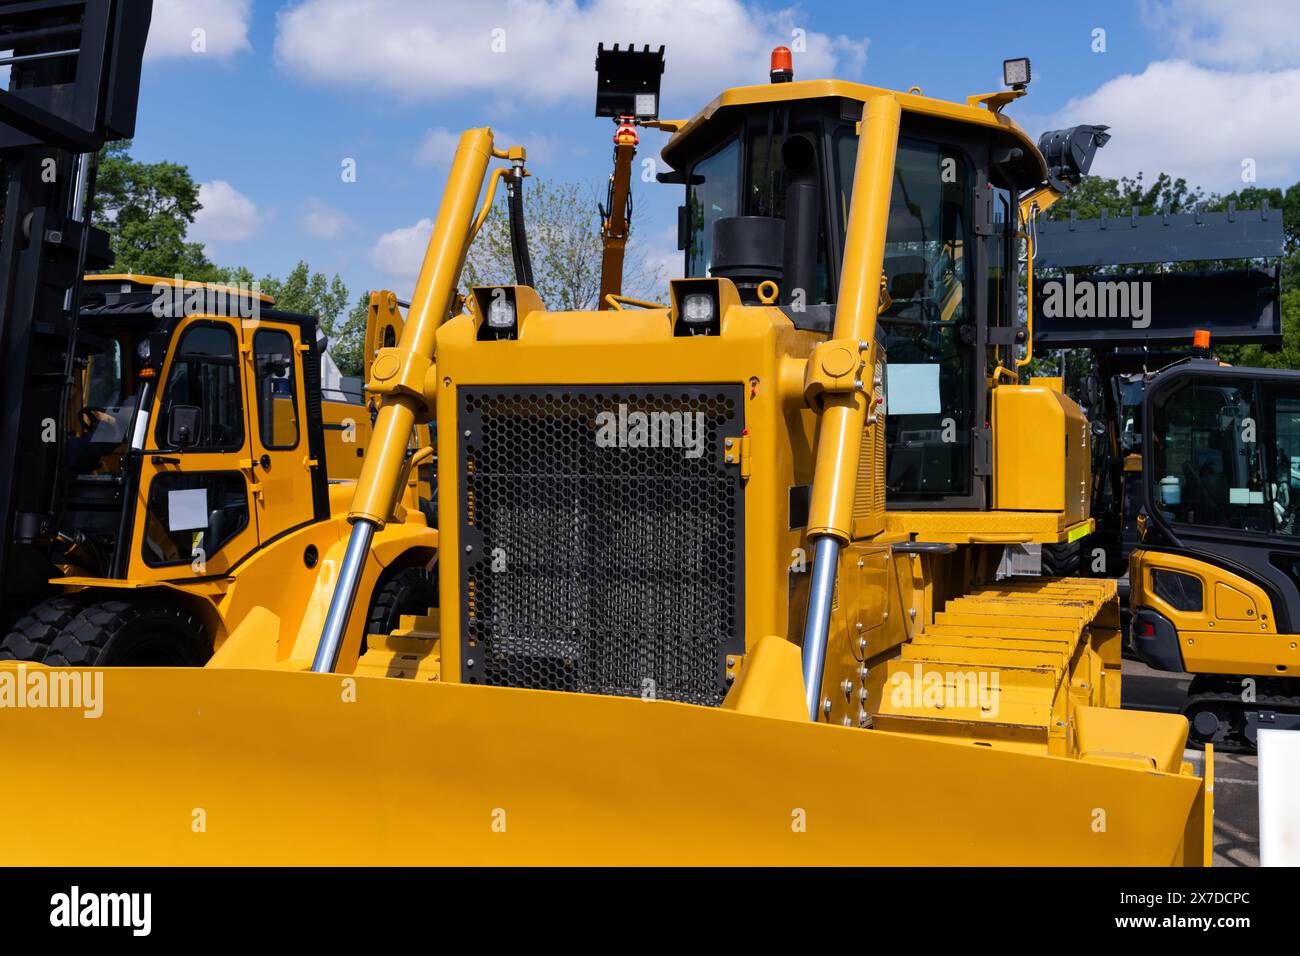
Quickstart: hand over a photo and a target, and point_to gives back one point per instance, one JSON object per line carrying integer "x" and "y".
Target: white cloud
{"x": 322, "y": 221}
{"x": 437, "y": 147}
{"x": 1262, "y": 33}
{"x": 1195, "y": 122}
{"x": 227, "y": 214}
{"x": 401, "y": 252}
{"x": 224, "y": 26}
{"x": 443, "y": 49}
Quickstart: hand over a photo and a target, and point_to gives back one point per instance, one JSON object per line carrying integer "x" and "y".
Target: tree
{"x": 303, "y": 290}
{"x": 564, "y": 240}
{"x": 1097, "y": 193}
{"x": 147, "y": 209}
{"x": 349, "y": 347}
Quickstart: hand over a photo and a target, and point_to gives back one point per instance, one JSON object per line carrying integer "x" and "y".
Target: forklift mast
{"x": 74, "y": 85}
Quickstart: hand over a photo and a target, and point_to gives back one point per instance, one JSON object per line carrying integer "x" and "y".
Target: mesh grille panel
{"x": 604, "y": 531}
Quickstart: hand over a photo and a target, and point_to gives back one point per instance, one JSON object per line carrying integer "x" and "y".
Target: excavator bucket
{"x": 232, "y": 766}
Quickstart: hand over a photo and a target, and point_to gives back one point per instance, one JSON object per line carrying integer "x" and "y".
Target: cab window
{"x": 928, "y": 327}
{"x": 277, "y": 391}
{"x": 190, "y": 516}
{"x": 713, "y": 194}
{"x": 204, "y": 375}
{"x": 1225, "y": 456}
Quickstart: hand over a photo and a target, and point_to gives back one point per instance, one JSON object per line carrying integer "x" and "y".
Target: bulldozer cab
{"x": 195, "y": 434}
{"x": 769, "y": 177}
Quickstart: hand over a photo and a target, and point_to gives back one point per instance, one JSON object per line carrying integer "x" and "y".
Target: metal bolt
{"x": 885, "y": 616}
{"x": 846, "y": 722}
{"x": 826, "y": 706}
{"x": 862, "y": 643}
{"x": 863, "y": 693}
{"x": 848, "y": 688}
{"x": 467, "y": 433}
{"x": 859, "y": 626}
{"x": 469, "y": 548}
{"x": 911, "y": 612}
{"x": 469, "y": 662}
{"x": 731, "y": 662}
{"x": 729, "y": 442}
{"x": 861, "y": 562}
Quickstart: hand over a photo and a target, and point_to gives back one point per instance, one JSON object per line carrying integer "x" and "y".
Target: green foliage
{"x": 1118, "y": 196}
{"x": 147, "y": 209}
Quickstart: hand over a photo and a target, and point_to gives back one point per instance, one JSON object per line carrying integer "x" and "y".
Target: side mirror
{"x": 183, "y": 424}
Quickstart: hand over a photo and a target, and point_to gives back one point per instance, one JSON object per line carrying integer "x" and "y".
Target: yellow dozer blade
{"x": 233, "y": 766}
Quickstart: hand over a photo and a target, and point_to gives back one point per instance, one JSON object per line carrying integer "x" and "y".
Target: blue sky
{"x": 282, "y": 93}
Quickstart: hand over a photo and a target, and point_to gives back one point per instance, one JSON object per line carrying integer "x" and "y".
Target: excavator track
{"x": 1027, "y": 650}
{"x": 1219, "y": 713}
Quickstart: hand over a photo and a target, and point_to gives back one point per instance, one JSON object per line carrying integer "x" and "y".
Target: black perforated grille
{"x": 597, "y": 555}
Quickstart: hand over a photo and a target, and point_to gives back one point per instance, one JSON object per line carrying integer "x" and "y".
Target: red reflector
{"x": 1146, "y": 629}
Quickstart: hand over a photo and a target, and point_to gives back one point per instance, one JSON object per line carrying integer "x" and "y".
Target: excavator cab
{"x": 1215, "y": 582}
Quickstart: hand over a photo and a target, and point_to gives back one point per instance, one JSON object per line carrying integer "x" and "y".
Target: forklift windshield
{"x": 103, "y": 403}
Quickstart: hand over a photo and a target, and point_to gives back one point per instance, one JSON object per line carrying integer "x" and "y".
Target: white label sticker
{"x": 187, "y": 509}
{"x": 912, "y": 390}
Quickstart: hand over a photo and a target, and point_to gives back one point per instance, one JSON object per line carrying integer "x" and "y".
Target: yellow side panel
{"x": 347, "y": 435}
{"x": 1233, "y": 633}
{"x": 1040, "y": 451}
{"x": 1231, "y": 604}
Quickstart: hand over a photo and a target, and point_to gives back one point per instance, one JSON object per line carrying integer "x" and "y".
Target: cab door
{"x": 281, "y": 464}
{"x": 194, "y": 513}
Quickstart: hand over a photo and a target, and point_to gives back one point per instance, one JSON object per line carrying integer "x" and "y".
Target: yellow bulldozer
{"x": 717, "y": 574}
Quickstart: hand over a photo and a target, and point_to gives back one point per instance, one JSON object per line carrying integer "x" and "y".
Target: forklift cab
{"x": 769, "y": 176}
{"x": 192, "y": 440}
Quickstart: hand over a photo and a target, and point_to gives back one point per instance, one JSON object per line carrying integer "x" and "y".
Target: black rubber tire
{"x": 142, "y": 633}
{"x": 1062, "y": 560}
{"x": 30, "y": 637}
{"x": 405, "y": 590}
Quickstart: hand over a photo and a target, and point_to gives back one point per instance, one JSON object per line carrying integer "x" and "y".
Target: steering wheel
{"x": 89, "y": 416}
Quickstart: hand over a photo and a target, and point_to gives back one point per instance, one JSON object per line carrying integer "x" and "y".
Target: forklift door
{"x": 194, "y": 510}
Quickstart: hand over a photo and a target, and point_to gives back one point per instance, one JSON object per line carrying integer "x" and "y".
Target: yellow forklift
{"x": 717, "y": 573}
